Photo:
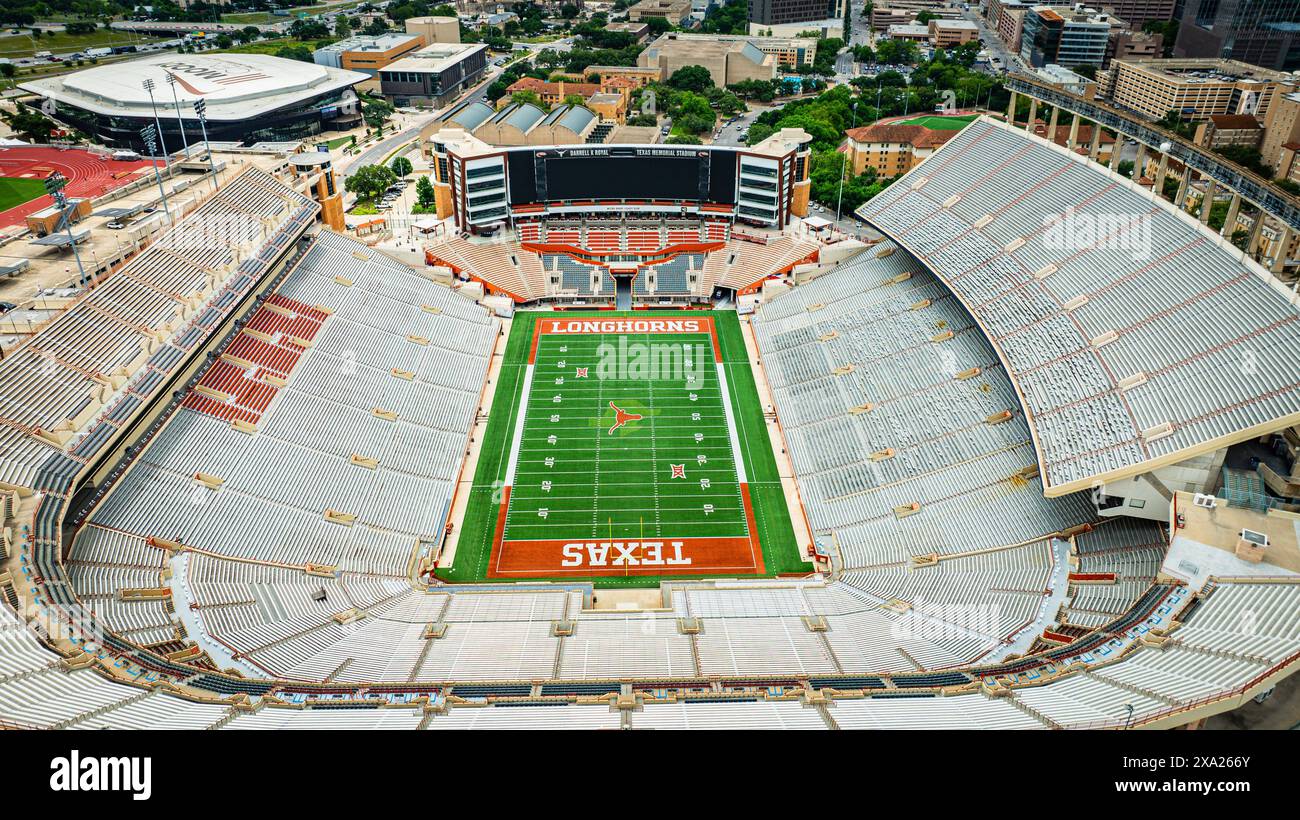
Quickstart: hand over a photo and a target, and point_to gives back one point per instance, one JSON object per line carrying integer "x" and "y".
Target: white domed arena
{"x": 611, "y": 460}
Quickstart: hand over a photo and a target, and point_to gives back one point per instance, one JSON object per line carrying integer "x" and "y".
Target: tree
{"x": 375, "y": 111}
{"x": 1247, "y": 157}
{"x": 401, "y": 166}
{"x": 29, "y": 124}
{"x": 679, "y": 139}
{"x": 296, "y": 52}
{"x": 896, "y": 52}
{"x": 1173, "y": 121}
{"x": 369, "y": 181}
{"x": 308, "y": 30}
{"x": 342, "y": 26}
{"x": 424, "y": 194}
{"x": 691, "y": 114}
{"x": 761, "y": 90}
{"x": 731, "y": 18}
{"x": 8, "y": 70}
{"x": 657, "y": 25}
{"x": 691, "y": 78}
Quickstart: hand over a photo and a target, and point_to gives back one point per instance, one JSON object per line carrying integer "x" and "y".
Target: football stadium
{"x": 632, "y": 446}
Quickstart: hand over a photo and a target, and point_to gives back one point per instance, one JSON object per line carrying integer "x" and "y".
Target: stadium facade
{"x": 486, "y": 187}
{"x": 250, "y": 98}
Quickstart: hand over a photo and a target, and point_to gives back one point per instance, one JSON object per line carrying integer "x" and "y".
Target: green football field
{"x": 937, "y": 122}
{"x": 575, "y": 476}
{"x": 15, "y": 191}
{"x": 555, "y": 470}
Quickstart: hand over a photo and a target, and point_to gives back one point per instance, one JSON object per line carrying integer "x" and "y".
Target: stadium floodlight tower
{"x": 148, "y": 86}
{"x": 201, "y": 108}
{"x": 54, "y": 185}
{"x": 180, "y": 123}
{"x": 150, "y": 137}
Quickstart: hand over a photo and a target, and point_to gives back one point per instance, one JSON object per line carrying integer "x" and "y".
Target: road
{"x": 730, "y": 134}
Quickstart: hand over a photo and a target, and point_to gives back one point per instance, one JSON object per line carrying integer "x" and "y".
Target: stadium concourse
{"x": 90, "y": 174}
{"x": 252, "y": 550}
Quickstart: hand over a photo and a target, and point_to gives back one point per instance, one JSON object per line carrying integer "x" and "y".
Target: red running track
{"x": 87, "y": 174}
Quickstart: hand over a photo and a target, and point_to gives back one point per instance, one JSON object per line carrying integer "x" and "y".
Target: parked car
{"x": 5, "y": 307}
{"x": 116, "y": 225}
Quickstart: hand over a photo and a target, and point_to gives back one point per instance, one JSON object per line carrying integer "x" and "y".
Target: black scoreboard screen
{"x": 691, "y": 173}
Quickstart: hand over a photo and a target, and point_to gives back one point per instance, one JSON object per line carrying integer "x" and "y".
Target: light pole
{"x": 848, "y": 157}
{"x": 148, "y": 86}
{"x": 150, "y": 136}
{"x": 201, "y": 108}
{"x": 180, "y": 123}
{"x": 54, "y": 184}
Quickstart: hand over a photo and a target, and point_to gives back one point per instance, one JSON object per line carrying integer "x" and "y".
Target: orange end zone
{"x": 585, "y": 558}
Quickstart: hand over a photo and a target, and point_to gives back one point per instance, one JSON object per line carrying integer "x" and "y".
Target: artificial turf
{"x": 15, "y": 191}
{"x": 586, "y": 500}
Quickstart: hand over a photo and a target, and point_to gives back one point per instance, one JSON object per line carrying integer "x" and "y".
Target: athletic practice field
{"x": 625, "y": 457}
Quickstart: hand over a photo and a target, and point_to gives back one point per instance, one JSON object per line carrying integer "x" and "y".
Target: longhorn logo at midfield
{"x": 621, "y": 417}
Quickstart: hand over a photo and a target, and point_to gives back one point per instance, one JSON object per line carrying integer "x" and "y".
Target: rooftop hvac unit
{"x": 1251, "y": 545}
{"x": 1203, "y": 500}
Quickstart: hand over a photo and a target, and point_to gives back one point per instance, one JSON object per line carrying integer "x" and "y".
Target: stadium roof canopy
{"x": 236, "y": 86}
{"x": 60, "y": 240}
{"x": 1135, "y": 337}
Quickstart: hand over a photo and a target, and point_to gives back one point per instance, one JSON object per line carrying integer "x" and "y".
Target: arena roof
{"x": 236, "y": 86}
{"x": 1135, "y": 336}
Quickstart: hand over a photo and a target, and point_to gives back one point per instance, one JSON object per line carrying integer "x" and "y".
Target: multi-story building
{"x": 729, "y": 59}
{"x": 1068, "y": 80}
{"x": 1140, "y": 12}
{"x": 909, "y": 31}
{"x": 434, "y": 29}
{"x": 368, "y": 54}
{"x": 1127, "y": 44}
{"x": 892, "y": 148}
{"x": 674, "y": 11}
{"x": 900, "y": 12}
{"x": 1008, "y": 21}
{"x": 780, "y": 12}
{"x": 640, "y": 31}
{"x": 1262, "y": 32}
{"x": 434, "y": 75}
{"x": 1223, "y": 130}
{"x": 1282, "y": 136}
{"x": 1196, "y": 89}
{"x": 1070, "y": 38}
{"x": 946, "y": 33}
{"x": 638, "y": 75}
{"x": 313, "y": 172}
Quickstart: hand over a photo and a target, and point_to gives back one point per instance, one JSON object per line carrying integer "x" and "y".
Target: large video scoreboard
{"x": 691, "y": 173}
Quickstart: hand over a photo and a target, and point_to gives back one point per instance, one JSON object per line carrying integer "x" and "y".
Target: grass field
{"x": 14, "y": 46}
{"x": 604, "y": 485}
{"x": 14, "y": 192}
{"x": 269, "y": 46}
{"x": 938, "y": 123}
